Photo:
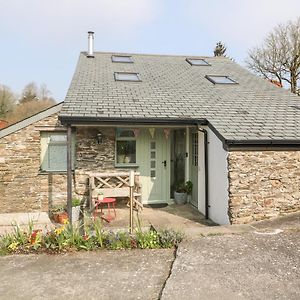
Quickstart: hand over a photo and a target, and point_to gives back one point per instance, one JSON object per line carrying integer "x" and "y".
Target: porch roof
{"x": 254, "y": 110}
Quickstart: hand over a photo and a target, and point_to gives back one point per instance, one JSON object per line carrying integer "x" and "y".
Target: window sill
{"x": 126, "y": 166}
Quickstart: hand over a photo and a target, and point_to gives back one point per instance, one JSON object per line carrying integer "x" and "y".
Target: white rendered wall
{"x": 217, "y": 179}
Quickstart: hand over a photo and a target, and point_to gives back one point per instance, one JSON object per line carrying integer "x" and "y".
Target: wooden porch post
{"x": 69, "y": 172}
{"x": 131, "y": 184}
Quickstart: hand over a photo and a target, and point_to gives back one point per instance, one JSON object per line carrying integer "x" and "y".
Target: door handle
{"x": 165, "y": 163}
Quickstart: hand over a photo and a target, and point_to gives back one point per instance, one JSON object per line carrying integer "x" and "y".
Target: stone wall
{"x": 263, "y": 184}
{"x": 23, "y": 188}
{"x": 91, "y": 156}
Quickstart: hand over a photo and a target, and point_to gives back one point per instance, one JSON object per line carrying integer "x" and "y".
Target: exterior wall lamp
{"x": 99, "y": 138}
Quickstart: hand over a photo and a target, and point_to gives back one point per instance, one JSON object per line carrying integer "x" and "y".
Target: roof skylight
{"x": 197, "y": 62}
{"x": 127, "y": 76}
{"x": 121, "y": 58}
{"x": 218, "y": 79}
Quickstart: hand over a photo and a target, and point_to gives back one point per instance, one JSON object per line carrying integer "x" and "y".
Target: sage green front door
{"x": 154, "y": 165}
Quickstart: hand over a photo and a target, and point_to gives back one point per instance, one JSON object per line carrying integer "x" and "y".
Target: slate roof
{"x": 172, "y": 89}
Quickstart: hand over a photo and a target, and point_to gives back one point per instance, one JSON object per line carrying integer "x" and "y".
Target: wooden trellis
{"x": 121, "y": 184}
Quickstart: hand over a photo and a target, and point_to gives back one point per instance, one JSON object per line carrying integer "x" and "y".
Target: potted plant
{"x": 75, "y": 209}
{"x": 182, "y": 191}
{"x": 59, "y": 214}
{"x": 180, "y": 195}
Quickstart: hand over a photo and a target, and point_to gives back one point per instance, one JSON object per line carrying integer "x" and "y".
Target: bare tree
{"x": 44, "y": 93}
{"x": 30, "y": 93}
{"x": 7, "y": 100}
{"x": 279, "y": 57}
{"x": 220, "y": 49}
{"x": 33, "y": 100}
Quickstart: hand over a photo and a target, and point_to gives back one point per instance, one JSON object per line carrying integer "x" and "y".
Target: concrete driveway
{"x": 137, "y": 274}
{"x": 262, "y": 264}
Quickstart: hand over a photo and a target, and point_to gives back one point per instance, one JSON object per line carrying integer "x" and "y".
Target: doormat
{"x": 157, "y": 205}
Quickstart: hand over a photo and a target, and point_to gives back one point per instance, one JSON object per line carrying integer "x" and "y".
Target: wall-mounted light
{"x": 99, "y": 138}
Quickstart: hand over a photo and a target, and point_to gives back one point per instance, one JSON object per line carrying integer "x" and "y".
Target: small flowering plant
{"x": 84, "y": 237}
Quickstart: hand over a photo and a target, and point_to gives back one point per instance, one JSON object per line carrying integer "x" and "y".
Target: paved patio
{"x": 185, "y": 218}
{"x": 38, "y": 219}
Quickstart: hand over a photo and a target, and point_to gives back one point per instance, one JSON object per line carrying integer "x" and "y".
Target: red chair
{"x": 108, "y": 201}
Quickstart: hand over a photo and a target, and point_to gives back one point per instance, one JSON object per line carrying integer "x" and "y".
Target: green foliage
{"x": 58, "y": 208}
{"x": 148, "y": 239}
{"x": 184, "y": 187}
{"x": 84, "y": 237}
{"x": 75, "y": 202}
{"x": 169, "y": 238}
{"x": 180, "y": 188}
{"x": 189, "y": 187}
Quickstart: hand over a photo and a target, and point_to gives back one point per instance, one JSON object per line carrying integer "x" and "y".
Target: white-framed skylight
{"x": 197, "y": 62}
{"x": 127, "y": 76}
{"x": 220, "y": 79}
{"x": 121, "y": 58}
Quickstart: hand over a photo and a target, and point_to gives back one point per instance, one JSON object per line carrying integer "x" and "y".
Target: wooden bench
{"x": 114, "y": 185}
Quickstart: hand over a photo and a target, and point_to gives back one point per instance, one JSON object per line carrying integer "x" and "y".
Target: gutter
{"x": 204, "y": 131}
{"x": 110, "y": 120}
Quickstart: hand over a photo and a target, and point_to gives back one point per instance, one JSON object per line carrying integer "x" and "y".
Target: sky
{"x": 41, "y": 40}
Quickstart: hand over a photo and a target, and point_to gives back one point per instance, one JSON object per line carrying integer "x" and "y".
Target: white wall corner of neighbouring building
{"x": 218, "y": 197}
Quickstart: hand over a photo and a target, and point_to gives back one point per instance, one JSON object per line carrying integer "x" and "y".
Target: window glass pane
{"x": 57, "y": 156}
{"x": 152, "y": 173}
{"x": 54, "y": 151}
{"x": 152, "y": 165}
{"x": 58, "y": 138}
{"x": 127, "y": 76}
{"x": 197, "y": 62}
{"x": 126, "y": 152}
{"x": 120, "y": 58}
{"x": 152, "y": 154}
{"x": 220, "y": 79}
{"x": 152, "y": 145}
{"x": 125, "y": 133}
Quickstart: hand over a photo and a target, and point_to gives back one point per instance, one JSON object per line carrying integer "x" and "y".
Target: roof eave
{"x": 266, "y": 144}
{"x": 82, "y": 120}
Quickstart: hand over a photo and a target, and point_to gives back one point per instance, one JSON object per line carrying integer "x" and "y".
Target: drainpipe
{"x": 204, "y": 131}
{"x": 69, "y": 172}
{"x": 187, "y": 145}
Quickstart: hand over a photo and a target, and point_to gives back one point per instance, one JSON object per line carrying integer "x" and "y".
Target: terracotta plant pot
{"x": 55, "y": 217}
{"x": 62, "y": 218}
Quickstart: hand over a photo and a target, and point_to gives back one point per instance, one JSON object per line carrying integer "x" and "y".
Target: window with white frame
{"x": 54, "y": 151}
{"x": 125, "y": 146}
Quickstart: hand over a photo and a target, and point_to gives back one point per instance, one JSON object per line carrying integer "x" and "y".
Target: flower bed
{"x": 74, "y": 238}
